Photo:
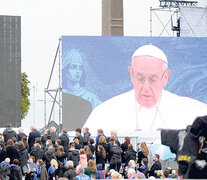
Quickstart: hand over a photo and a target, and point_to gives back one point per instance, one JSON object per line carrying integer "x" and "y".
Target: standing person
{"x": 86, "y": 135}
{"x": 2, "y": 151}
{"x": 57, "y": 144}
{"x": 102, "y": 141}
{"x": 77, "y": 145}
{"x": 99, "y": 133}
{"x": 88, "y": 153}
{"x": 124, "y": 147}
{"x": 91, "y": 169}
{"x": 70, "y": 170}
{"x": 23, "y": 154}
{"x": 101, "y": 156}
{"x": 64, "y": 137}
{"x": 114, "y": 133}
{"x": 79, "y": 137}
{"x": 9, "y": 133}
{"x": 115, "y": 161}
{"x": 156, "y": 166}
{"x": 142, "y": 152}
{"x": 32, "y": 135}
{"x": 83, "y": 158}
{"x": 73, "y": 155}
{"x": 130, "y": 154}
{"x": 30, "y": 174}
{"x": 45, "y": 137}
{"x": 26, "y": 144}
{"x": 37, "y": 152}
{"x": 49, "y": 155}
{"x": 91, "y": 146}
{"x": 53, "y": 134}
{"x": 11, "y": 151}
{"x": 80, "y": 174}
{"x": 5, "y": 169}
{"x": 53, "y": 170}
{"x": 99, "y": 172}
{"x": 110, "y": 145}
{"x": 61, "y": 159}
{"x": 47, "y": 144}
{"x": 41, "y": 173}
{"x": 14, "y": 139}
{"x": 21, "y": 134}
{"x": 15, "y": 171}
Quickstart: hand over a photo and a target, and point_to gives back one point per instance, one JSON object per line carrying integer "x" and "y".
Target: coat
{"x": 31, "y": 140}
{"x": 16, "y": 172}
{"x": 73, "y": 155}
{"x": 64, "y": 141}
{"x": 20, "y": 136}
{"x": 130, "y": 154}
{"x": 12, "y": 153}
{"x": 144, "y": 170}
{"x": 116, "y": 155}
{"x": 92, "y": 147}
{"x": 38, "y": 153}
{"x": 4, "y": 171}
{"x": 83, "y": 160}
{"x": 100, "y": 159}
{"x": 70, "y": 173}
{"x": 80, "y": 139}
{"x": 48, "y": 156}
{"x": 155, "y": 167}
{"x": 86, "y": 138}
{"x": 140, "y": 157}
{"x": 41, "y": 173}
{"x": 23, "y": 156}
{"x": 9, "y": 133}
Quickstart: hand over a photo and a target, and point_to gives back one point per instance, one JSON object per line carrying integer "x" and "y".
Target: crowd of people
{"x": 52, "y": 156}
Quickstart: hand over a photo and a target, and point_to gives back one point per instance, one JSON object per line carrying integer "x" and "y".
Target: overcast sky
{"x": 44, "y": 21}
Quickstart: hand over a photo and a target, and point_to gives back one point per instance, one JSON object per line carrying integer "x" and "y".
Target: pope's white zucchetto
{"x": 150, "y": 50}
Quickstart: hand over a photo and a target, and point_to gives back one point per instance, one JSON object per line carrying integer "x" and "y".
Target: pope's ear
{"x": 166, "y": 76}
{"x": 130, "y": 71}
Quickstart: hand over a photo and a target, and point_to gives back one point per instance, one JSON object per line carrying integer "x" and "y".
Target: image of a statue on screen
{"x": 74, "y": 77}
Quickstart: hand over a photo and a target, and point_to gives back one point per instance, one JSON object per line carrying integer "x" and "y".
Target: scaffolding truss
{"x": 55, "y": 94}
{"x": 172, "y": 8}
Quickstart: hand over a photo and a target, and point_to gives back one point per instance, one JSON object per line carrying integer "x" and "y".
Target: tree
{"x": 25, "y": 93}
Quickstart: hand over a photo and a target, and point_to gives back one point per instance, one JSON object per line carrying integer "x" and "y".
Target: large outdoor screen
{"x": 104, "y": 87}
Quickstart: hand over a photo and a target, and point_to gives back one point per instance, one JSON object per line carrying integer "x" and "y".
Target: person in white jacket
{"x": 147, "y": 106}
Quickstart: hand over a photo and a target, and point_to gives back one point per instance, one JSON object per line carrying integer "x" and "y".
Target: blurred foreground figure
{"x": 190, "y": 147}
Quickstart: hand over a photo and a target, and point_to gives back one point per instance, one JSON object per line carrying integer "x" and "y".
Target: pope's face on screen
{"x": 74, "y": 72}
{"x": 148, "y": 75}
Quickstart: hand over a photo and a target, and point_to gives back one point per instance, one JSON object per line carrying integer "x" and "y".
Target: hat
{"x": 71, "y": 56}
{"x": 78, "y": 130}
{"x": 150, "y": 50}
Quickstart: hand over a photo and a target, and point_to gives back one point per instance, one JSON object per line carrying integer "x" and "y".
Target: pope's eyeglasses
{"x": 139, "y": 79}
